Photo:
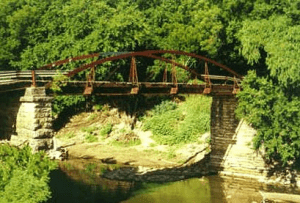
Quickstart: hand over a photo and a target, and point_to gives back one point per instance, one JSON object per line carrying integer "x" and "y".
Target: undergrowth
{"x": 129, "y": 143}
{"x": 172, "y": 123}
{"x": 106, "y": 130}
{"x": 24, "y": 176}
{"x": 91, "y": 138}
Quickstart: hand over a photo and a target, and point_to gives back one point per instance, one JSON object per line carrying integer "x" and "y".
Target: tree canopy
{"x": 34, "y": 33}
{"x": 270, "y": 98}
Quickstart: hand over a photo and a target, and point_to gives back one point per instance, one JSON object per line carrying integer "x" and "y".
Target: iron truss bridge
{"x": 43, "y": 76}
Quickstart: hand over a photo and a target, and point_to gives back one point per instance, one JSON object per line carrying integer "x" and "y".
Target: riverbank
{"x": 107, "y": 136}
{"x": 136, "y": 148}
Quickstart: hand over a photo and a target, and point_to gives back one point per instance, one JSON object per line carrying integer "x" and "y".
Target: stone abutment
{"x": 28, "y": 119}
{"x": 231, "y": 142}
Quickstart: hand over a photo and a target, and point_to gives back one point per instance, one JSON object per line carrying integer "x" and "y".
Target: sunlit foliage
{"x": 24, "y": 176}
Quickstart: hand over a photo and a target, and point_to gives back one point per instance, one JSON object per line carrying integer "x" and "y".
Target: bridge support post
{"x": 34, "y": 120}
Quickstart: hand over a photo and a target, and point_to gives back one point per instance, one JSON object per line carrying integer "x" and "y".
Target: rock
{"x": 61, "y": 154}
{"x": 205, "y": 137}
{"x": 18, "y": 140}
{"x": 280, "y": 197}
{"x": 41, "y": 144}
{"x": 109, "y": 160}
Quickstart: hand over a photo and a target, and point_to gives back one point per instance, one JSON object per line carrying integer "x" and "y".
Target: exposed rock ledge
{"x": 163, "y": 174}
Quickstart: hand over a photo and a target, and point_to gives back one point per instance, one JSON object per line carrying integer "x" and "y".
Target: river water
{"x": 83, "y": 184}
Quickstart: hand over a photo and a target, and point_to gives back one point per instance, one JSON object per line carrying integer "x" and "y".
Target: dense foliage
{"x": 24, "y": 176}
{"x": 173, "y": 123}
{"x": 263, "y": 35}
{"x": 67, "y": 105}
{"x": 270, "y": 98}
{"x": 64, "y": 107}
{"x": 276, "y": 117}
{"x": 34, "y": 33}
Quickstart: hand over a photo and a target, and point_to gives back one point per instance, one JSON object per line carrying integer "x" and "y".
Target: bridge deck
{"x": 145, "y": 88}
{"x": 16, "y": 80}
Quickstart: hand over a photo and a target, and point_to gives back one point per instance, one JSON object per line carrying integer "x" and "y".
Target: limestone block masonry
{"x": 34, "y": 120}
{"x": 223, "y": 126}
{"x": 231, "y": 145}
{"x": 9, "y": 107}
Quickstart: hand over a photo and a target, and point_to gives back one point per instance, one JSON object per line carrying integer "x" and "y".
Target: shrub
{"x": 24, "y": 176}
{"x": 68, "y": 105}
{"x": 174, "y": 124}
{"x": 163, "y": 127}
{"x": 165, "y": 106}
{"x": 275, "y": 117}
{"x": 91, "y": 138}
{"x": 106, "y": 130}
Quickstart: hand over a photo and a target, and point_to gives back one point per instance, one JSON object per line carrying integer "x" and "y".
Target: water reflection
{"x": 79, "y": 184}
{"x": 192, "y": 190}
{"x": 82, "y": 184}
{"x": 234, "y": 190}
{"x": 202, "y": 190}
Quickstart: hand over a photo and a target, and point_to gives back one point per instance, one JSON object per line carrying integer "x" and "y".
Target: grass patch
{"x": 106, "y": 130}
{"x": 172, "y": 124}
{"x": 91, "y": 138}
{"x": 94, "y": 169}
{"x": 90, "y": 168}
{"x": 123, "y": 130}
{"x": 153, "y": 144}
{"x": 208, "y": 140}
{"x": 98, "y": 107}
{"x": 129, "y": 143}
{"x": 89, "y": 129}
{"x": 68, "y": 135}
{"x": 170, "y": 154}
{"x": 101, "y": 169}
{"x": 112, "y": 167}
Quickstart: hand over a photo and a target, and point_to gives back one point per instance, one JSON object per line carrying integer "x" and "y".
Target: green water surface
{"x": 84, "y": 185}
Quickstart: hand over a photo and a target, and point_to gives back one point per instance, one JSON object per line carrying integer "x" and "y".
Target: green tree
{"x": 24, "y": 176}
{"x": 275, "y": 114}
{"x": 270, "y": 101}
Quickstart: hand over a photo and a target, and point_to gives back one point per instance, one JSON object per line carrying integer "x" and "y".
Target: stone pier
{"x": 223, "y": 126}
{"x": 34, "y": 119}
{"x": 231, "y": 142}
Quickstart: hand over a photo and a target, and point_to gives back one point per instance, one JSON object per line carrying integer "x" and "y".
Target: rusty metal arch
{"x": 196, "y": 56}
{"x": 148, "y": 54}
{"x": 90, "y": 65}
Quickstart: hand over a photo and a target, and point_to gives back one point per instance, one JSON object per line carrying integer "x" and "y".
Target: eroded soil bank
{"x": 84, "y": 137}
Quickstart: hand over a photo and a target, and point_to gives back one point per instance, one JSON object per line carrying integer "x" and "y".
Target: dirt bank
{"x": 121, "y": 145}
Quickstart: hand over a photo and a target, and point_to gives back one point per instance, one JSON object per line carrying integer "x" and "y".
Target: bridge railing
{"x": 10, "y": 77}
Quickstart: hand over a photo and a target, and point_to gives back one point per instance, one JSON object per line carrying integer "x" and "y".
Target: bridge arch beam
{"x": 148, "y": 53}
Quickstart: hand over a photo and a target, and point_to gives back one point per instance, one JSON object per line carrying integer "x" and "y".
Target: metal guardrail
{"x": 33, "y": 76}
{"x": 28, "y": 75}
